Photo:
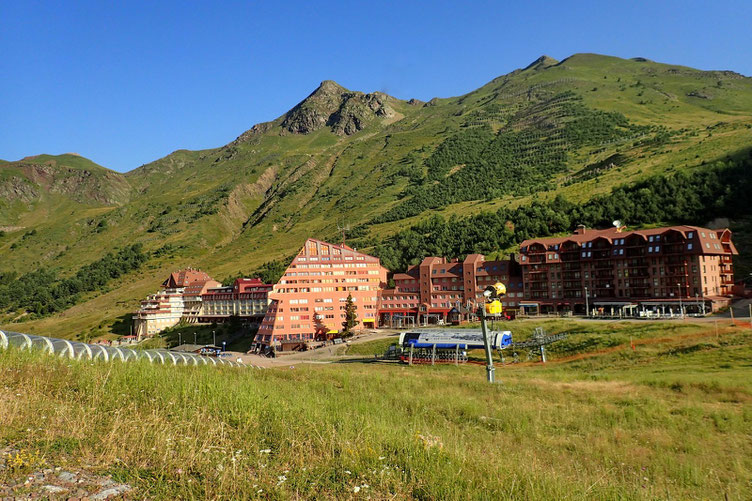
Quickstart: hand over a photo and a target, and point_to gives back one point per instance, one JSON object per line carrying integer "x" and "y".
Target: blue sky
{"x": 125, "y": 83}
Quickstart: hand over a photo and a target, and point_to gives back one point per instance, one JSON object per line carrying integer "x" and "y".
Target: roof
{"x": 198, "y": 288}
{"x": 611, "y": 234}
{"x": 246, "y": 284}
{"x": 328, "y": 249}
{"x": 184, "y": 278}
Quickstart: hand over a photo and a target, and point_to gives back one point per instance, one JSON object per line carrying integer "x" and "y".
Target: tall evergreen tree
{"x": 351, "y": 317}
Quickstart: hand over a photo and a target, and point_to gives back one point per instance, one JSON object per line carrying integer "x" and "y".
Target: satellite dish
{"x": 617, "y": 223}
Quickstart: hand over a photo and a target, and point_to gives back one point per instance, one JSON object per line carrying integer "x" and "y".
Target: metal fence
{"x": 84, "y": 351}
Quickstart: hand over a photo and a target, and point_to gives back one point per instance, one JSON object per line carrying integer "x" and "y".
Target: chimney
{"x": 580, "y": 229}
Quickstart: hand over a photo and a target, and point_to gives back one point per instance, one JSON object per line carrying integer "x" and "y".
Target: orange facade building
{"x": 309, "y": 300}
{"x": 671, "y": 270}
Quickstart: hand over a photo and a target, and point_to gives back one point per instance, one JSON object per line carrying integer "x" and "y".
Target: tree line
{"x": 42, "y": 292}
{"x": 719, "y": 190}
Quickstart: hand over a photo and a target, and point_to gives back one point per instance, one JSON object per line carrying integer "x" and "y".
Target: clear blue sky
{"x": 124, "y": 83}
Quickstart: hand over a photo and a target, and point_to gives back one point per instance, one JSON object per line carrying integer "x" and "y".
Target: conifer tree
{"x": 351, "y": 317}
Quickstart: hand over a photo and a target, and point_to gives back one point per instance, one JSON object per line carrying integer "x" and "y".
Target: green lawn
{"x": 670, "y": 420}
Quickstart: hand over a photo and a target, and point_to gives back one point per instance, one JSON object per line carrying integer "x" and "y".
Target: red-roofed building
{"x": 437, "y": 288}
{"x": 308, "y": 302}
{"x": 179, "y": 299}
{"x": 184, "y": 278}
{"x": 629, "y": 273}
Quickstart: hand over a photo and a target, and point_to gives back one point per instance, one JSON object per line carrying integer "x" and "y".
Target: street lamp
{"x": 587, "y": 306}
{"x": 492, "y": 293}
{"x": 180, "y": 338}
{"x": 195, "y": 340}
{"x": 214, "y": 337}
{"x": 681, "y": 310}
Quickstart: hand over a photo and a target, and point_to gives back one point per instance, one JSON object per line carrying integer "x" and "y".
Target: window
{"x": 689, "y": 246}
{"x": 650, "y": 249}
{"x": 691, "y": 234}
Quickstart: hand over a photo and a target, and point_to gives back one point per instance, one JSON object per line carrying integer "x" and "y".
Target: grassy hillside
{"x": 577, "y": 127}
{"x": 670, "y": 420}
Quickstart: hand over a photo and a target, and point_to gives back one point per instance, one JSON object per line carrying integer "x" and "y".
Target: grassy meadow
{"x": 669, "y": 420}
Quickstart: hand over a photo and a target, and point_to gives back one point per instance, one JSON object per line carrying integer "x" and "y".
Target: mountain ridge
{"x": 575, "y": 127}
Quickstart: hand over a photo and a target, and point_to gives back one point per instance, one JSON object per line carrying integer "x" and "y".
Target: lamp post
{"x": 195, "y": 338}
{"x": 214, "y": 338}
{"x": 491, "y": 295}
{"x": 587, "y": 306}
{"x": 180, "y": 338}
{"x": 681, "y": 310}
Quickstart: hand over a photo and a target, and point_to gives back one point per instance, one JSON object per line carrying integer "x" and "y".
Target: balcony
{"x": 635, "y": 251}
{"x": 636, "y": 272}
{"x": 676, "y": 260}
{"x": 674, "y": 248}
{"x": 536, "y": 258}
{"x": 570, "y": 256}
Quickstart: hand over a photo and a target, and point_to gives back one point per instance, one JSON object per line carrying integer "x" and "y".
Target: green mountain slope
{"x": 378, "y": 164}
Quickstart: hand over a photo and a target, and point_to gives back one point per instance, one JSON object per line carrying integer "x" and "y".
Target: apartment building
{"x": 439, "y": 290}
{"x": 308, "y": 302}
{"x": 178, "y": 299}
{"x": 668, "y": 270}
{"x": 246, "y": 298}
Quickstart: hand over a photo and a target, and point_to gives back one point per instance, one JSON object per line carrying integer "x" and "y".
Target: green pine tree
{"x": 351, "y": 317}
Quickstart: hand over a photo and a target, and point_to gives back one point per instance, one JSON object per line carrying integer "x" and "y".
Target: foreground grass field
{"x": 670, "y": 420}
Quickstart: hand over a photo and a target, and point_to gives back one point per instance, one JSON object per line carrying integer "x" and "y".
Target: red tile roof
{"x": 613, "y": 233}
{"x": 184, "y": 278}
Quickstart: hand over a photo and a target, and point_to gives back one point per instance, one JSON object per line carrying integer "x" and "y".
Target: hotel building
{"x": 629, "y": 273}
{"x": 246, "y": 298}
{"x": 308, "y": 302}
{"x": 180, "y": 297}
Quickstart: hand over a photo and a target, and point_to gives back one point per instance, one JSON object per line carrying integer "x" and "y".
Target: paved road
{"x": 320, "y": 355}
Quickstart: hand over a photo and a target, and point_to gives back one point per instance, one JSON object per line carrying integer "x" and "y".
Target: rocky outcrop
{"x": 331, "y": 105}
{"x": 81, "y": 185}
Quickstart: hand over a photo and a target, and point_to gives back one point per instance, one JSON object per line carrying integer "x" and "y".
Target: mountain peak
{"x": 329, "y": 87}
{"x": 344, "y": 111}
{"x": 542, "y": 62}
